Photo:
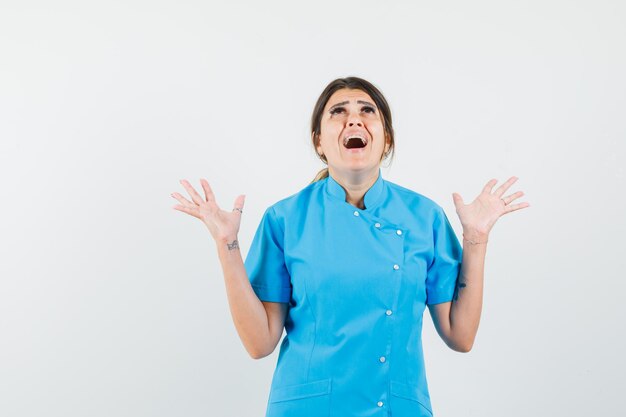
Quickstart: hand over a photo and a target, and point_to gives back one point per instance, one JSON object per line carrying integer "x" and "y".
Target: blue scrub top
{"x": 357, "y": 282}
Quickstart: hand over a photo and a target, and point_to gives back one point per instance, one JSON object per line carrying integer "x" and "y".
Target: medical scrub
{"x": 357, "y": 282}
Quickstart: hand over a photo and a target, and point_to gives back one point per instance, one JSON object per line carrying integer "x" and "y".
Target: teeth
{"x": 347, "y": 138}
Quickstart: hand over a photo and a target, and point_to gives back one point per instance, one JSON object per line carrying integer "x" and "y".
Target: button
{"x": 399, "y": 232}
{"x": 388, "y": 312}
{"x": 380, "y": 403}
{"x": 356, "y": 213}
{"x": 377, "y": 225}
{"x": 396, "y": 266}
{"x": 382, "y": 359}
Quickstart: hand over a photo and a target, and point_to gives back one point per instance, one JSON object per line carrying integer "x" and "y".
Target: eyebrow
{"x": 346, "y": 102}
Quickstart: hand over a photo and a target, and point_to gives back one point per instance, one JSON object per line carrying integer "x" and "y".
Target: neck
{"x": 355, "y": 184}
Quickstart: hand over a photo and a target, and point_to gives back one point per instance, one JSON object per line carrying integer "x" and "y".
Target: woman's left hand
{"x": 480, "y": 215}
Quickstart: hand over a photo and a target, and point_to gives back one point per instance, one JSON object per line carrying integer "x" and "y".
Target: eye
{"x": 369, "y": 108}
{"x": 336, "y": 110}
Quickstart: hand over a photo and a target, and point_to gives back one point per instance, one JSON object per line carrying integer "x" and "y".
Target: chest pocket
{"x": 311, "y": 399}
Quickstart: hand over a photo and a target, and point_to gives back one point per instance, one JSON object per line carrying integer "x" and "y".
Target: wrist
{"x": 475, "y": 237}
{"x": 228, "y": 247}
{"x": 228, "y": 238}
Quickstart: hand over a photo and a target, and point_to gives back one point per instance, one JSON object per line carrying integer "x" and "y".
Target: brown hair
{"x": 353, "y": 83}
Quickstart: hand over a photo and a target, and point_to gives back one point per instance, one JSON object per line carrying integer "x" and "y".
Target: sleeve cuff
{"x": 277, "y": 295}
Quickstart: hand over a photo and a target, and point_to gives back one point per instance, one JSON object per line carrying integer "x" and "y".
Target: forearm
{"x": 468, "y": 300}
{"x": 247, "y": 311}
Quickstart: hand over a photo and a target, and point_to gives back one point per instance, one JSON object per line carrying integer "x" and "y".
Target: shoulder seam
{"x": 275, "y": 216}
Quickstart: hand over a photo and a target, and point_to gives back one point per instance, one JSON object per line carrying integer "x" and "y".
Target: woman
{"x": 347, "y": 266}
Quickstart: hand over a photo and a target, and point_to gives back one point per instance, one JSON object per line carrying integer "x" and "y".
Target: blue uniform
{"x": 357, "y": 282}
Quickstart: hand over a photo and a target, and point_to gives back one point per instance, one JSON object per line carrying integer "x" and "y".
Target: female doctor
{"x": 347, "y": 266}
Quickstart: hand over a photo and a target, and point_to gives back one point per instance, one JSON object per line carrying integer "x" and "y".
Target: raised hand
{"x": 223, "y": 225}
{"x": 481, "y": 214}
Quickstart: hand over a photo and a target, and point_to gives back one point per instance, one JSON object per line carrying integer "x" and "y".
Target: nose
{"x": 353, "y": 119}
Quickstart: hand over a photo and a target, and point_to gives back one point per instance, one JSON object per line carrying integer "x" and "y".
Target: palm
{"x": 221, "y": 223}
{"x": 482, "y": 213}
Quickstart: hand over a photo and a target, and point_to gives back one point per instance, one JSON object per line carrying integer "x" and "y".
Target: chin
{"x": 361, "y": 166}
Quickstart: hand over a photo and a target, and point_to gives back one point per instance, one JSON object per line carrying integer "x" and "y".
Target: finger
{"x": 458, "y": 200}
{"x": 489, "y": 186}
{"x": 508, "y": 199}
{"x": 514, "y": 207}
{"x": 188, "y": 210}
{"x": 208, "y": 192}
{"x": 183, "y": 200}
{"x": 238, "y": 205}
{"x": 192, "y": 192}
{"x": 501, "y": 189}
{"x": 512, "y": 197}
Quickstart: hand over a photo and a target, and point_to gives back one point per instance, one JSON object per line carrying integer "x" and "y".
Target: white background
{"x": 113, "y": 304}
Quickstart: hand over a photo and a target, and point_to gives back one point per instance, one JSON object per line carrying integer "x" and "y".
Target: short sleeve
{"x": 265, "y": 262}
{"x": 444, "y": 269}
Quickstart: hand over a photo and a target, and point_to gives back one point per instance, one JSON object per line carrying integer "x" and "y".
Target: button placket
{"x": 389, "y": 231}
{"x": 399, "y": 234}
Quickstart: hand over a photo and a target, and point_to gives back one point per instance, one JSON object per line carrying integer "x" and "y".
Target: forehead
{"x": 350, "y": 95}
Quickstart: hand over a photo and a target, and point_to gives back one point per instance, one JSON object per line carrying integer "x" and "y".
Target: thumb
{"x": 458, "y": 200}
{"x": 239, "y": 201}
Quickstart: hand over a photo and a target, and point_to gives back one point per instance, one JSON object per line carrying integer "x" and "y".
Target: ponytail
{"x": 323, "y": 173}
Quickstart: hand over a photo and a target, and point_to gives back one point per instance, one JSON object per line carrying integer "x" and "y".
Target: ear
{"x": 318, "y": 147}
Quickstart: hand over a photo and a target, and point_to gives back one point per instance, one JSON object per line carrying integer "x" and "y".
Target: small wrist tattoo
{"x": 234, "y": 245}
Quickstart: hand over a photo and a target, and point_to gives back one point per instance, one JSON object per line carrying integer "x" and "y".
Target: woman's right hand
{"x": 223, "y": 225}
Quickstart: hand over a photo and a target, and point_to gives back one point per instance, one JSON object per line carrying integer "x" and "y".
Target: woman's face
{"x": 352, "y": 136}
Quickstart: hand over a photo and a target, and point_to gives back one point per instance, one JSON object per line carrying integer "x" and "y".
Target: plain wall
{"x": 113, "y": 304}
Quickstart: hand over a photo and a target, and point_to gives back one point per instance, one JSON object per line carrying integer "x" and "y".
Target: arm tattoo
{"x": 234, "y": 245}
{"x": 460, "y": 284}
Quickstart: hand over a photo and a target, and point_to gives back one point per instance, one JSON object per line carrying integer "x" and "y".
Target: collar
{"x": 372, "y": 195}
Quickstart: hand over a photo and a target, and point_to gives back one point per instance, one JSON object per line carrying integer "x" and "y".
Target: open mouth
{"x": 354, "y": 142}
